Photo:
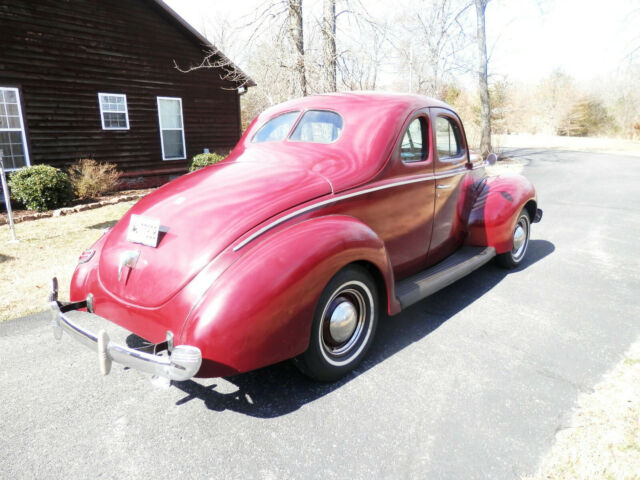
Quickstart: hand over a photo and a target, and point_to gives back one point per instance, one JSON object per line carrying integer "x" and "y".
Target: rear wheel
{"x": 521, "y": 232}
{"x": 343, "y": 326}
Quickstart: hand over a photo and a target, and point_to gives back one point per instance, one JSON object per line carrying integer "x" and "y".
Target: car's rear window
{"x": 277, "y": 128}
{"x": 318, "y": 126}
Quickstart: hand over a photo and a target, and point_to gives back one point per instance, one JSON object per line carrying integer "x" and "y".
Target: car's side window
{"x": 448, "y": 140}
{"x": 276, "y": 129}
{"x": 415, "y": 142}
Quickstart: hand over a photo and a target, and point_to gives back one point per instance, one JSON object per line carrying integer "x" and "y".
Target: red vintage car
{"x": 331, "y": 210}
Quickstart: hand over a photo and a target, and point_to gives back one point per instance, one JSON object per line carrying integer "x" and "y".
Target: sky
{"x": 527, "y": 39}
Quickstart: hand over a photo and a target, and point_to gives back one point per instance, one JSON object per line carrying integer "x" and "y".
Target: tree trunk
{"x": 297, "y": 39}
{"x": 483, "y": 83}
{"x": 329, "y": 44}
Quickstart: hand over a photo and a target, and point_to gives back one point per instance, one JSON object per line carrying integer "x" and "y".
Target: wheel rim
{"x": 346, "y": 323}
{"x": 520, "y": 239}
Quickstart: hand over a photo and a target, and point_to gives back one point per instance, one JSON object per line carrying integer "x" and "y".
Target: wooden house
{"x": 98, "y": 79}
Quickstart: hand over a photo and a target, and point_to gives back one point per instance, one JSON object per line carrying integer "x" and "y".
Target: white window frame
{"x": 101, "y": 95}
{"x": 184, "y": 144}
{"x": 23, "y": 134}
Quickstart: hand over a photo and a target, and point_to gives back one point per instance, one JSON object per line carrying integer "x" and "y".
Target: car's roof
{"x": 372, "y": 125}
{"x": 341, "y": 101}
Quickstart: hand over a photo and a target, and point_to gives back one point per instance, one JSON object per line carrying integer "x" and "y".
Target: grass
{"x": 603, "y": 439}
{"x": 47, "y": 247}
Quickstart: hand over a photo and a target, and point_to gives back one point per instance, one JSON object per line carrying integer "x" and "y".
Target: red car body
{"x": 248, "y": 245}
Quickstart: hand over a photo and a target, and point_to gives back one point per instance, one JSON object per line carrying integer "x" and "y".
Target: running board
{"x": 452, "y": 268}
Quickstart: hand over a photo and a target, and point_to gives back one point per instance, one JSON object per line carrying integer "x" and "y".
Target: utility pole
{"x": 7, "y": 200}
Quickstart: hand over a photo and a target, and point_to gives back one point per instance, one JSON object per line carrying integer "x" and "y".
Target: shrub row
{"x": 204, "y": 160}
{"x": 42, "y": 187}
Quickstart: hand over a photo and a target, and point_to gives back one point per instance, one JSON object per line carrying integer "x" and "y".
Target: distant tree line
{"x": 433, "y": 47}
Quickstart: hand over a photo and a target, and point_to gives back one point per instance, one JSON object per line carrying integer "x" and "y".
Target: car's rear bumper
{"x": 179, "y": 363}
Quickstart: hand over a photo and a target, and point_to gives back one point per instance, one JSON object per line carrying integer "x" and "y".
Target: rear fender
{"x": 496, "y": 208}
{"x": 260, "y": 310}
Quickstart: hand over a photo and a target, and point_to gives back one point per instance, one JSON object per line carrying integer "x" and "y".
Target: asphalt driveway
{"x": 473, "y": 382}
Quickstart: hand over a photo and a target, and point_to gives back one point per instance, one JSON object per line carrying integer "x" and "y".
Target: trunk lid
{"x": 200, "y": 215}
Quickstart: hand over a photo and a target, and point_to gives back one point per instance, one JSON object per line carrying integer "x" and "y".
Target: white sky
{"x": 585, "y": 38}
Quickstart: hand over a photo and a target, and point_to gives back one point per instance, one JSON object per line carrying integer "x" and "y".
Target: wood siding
{"x": 62, "y": 53}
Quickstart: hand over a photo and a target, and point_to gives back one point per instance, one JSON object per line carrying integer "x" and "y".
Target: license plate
{"x": 143, "y": 230}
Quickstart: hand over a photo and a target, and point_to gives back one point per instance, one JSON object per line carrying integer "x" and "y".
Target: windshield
{"x": 276, "y": 129}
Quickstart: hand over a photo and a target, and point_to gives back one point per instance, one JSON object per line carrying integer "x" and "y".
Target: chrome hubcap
{"x": 520, "y": 238}
{"x": 343, "y": 321}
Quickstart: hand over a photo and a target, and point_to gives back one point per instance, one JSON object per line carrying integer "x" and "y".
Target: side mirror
{"x": 491, "y": 159}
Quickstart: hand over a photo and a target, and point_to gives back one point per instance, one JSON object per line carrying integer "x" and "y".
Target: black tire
{"x": 520, "y": 237}
{"x": 344, "y": 324}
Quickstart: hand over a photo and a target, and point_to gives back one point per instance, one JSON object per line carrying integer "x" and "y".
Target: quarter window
{"x": 113, "y": 111}
{"x": 318, "y": 126}
{"x": 13, "y": 141}
{"x": 171, "y": 128}
{"x": 447, "y": 138}
{"x": 276, "y": 129}
{"x": 414, "y": 142}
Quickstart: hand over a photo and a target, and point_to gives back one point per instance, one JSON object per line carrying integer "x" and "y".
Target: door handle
{"x": 440, "y": 186}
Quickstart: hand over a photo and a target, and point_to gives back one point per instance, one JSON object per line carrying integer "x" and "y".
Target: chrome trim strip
{"x": 329, "y": 201}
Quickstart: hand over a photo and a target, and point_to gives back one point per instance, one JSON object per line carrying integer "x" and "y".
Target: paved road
{"x": 471, "y": 383}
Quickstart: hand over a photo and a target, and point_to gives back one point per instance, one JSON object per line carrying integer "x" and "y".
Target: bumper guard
{"x": 163, "y": 359}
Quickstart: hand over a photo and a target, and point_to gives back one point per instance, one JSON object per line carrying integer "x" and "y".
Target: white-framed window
{"x": 113, "y": 111}
{"x": 171, "y": 128}
{"x": 13, "y": 140}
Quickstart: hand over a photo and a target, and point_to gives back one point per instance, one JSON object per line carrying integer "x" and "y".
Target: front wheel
{"x": 343, "y": 326}
{"x": 520, "y": 240}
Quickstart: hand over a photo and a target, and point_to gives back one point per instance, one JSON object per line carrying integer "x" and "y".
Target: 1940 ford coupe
{"x": 330, "y": 210}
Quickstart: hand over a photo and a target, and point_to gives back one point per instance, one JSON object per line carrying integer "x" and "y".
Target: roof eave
{"x": 206, "y": 43}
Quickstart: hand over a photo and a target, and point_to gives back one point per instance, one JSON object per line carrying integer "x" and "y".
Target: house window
{"x": 13, "y": 141}
{"x": 113, "y": 111}
{"x": 171, "y": 128}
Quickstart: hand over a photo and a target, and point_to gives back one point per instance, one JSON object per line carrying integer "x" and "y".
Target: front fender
{"x": 496, "y": 208}
{"x": 260, "y": 310}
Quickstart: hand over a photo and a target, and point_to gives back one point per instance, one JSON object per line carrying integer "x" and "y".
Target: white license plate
{"x": 143, "y": 230}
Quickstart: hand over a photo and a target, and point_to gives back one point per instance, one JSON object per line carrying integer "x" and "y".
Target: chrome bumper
{"x": 175, "y": 363}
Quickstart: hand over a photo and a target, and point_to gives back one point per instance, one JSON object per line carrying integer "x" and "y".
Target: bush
{"x": 204, "y": 160}
{"x": 41, "y": 187}
{"x": 92, "y": 179}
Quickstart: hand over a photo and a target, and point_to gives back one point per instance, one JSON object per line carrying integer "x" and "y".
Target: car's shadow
{"x": 280, "y": 389}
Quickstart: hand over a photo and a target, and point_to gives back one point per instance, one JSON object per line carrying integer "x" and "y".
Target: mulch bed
{"x": 76, "y": 206}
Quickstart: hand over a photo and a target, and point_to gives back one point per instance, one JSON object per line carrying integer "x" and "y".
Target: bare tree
{"x": 329, "y": 56}
{"x": 361, "y": 62}
{"x": 432, "y": 38}
{"x": 296, "y": 36}
{"x": 483, "y": 83}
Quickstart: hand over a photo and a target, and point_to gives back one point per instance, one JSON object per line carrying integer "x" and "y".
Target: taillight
{"x": 86, "y": 256}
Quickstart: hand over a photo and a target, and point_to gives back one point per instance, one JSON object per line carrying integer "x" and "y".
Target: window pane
{"x": 277, "y": 128}
{"x": 172, "y": 142}
{"x": 318, "y": 126}
{"x": 115, "y": 120}
{"x": 14, "y": 122}
{"x": 12, "y": 109}
{"x": 170, "y": 114}
{"x": 10, "y": 96}
{"x": 12, "y": 149}
{"x": 114, "y": 111}
{"x": 447, "y": 138}
{"x": 412, "y": 148}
